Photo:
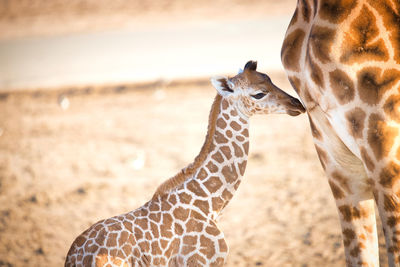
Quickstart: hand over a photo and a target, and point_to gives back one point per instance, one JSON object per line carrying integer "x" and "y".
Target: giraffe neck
{"x": 216, "y": 180}
{"x": 211, "y": 180}
{"x": 221, "y": 173}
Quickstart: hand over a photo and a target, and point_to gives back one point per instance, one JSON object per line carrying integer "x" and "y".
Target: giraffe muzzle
{"x": 295, "y": 107}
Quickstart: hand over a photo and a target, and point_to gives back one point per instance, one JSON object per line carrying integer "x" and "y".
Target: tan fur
{"x": 191, "y": 169}
{"x": 343, "y": 59}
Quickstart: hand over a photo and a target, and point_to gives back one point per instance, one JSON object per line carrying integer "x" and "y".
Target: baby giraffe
{"x": 177, "y": 227}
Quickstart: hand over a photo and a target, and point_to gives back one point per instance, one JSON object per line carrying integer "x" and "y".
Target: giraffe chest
{"x": 312, "y": 55}
{"x": 345, "y": 62}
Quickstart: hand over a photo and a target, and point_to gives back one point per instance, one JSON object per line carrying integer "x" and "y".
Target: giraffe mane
{"x": 191, "y": 169}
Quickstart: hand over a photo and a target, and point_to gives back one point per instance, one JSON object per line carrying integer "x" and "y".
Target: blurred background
{"x": 101, "y": 101}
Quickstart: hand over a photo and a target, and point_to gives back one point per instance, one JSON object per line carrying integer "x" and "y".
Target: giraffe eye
{"x": 259, "y": 95}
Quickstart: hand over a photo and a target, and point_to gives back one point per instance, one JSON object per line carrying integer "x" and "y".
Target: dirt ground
{"x": 64, "y": 167}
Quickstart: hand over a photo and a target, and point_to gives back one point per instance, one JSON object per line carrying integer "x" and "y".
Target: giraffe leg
{"x": 380, "y": 155}
{"x": 387, "y": 196}
{"x": 357, "y": 219}
{"x": 391, "y": 222}
{"x": 353, "y": 195}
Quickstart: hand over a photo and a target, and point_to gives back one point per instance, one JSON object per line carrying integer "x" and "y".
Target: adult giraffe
{"x": 343, "y": 59}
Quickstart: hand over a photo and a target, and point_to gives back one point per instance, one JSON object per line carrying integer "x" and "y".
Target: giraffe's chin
{"x": 294, "y": 112}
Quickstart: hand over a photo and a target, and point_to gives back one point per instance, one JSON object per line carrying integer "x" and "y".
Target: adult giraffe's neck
{"x": 211, "y": 180}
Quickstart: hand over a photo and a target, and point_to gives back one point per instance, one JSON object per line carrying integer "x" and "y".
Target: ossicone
{"x": 251, "y": 65}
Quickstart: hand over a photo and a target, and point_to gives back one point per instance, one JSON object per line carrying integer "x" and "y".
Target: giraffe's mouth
{"x": 295, "y": 108}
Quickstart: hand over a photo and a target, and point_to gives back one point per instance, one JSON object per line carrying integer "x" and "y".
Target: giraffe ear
{"x": 222, "y": 84}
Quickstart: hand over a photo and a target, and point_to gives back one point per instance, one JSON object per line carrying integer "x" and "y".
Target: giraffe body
{"x": 177, "y": 227}
{"x": 343, "y": 59}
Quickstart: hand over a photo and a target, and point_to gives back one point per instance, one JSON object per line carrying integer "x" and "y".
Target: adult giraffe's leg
{"x": 386, "y": 184}
{"x": 388, "y": 202}
{"x": 352, "y": 192}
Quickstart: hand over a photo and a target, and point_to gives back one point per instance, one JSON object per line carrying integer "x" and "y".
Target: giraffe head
{"x": 254, "y": 93}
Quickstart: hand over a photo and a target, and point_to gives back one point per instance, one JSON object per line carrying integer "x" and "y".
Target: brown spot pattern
{"x": 235, "y": 126}
{"x": 392, "y": 107}
{"x": 359, "y": 43}
{"x": 217, "y": 204}
{"x": 173, "y": 247}
{"x": 226, "y": 195}
{"x": 246, "y": 147}
{"x": 178, "y": 229}
{"x": 389, "y": 175}
{"x": 212, "y": 230}
{"x": 348, "y": 236}
{"x": 220, "y": 138}
{"x": 291, "y": 49}
{"x": 374, "y": 82}
{"x": 391, "y": 20}
{"x": 367, "y": 159}
{"x": 238, "y": 150}
{"x": 242, "y": 167}
{"x": 194, "y": 226}
{"x": 295, "y": 82}
{"x": 316, "y": 73}
{"x": 336, "y": 10}
{"x": 392, "y": 221}
{"x": 195, "y": 187}
{"x": 380, "y": 136}
{"x": 224, "y": 104}
{"x": 212, "y": 167}
{"x": 196, "y": 260}
{"x": 181, "y": 213}
{"x": 202, "y": 205}
{"x": 305, "y": 10}
{"x": 154, "y": 229}
{"x": 202, "y": 174}
{"x": 226, "y": 151}
{"x": 217, "y": 156}
{"x": 355, "y": 251}
{"x": 322, "y": 155}
{"x": 320, "y": 40}
{"x": 229, "y": 173}
{"x": 355, "y": 122}
{"x": 314, "y": 130}
{"x": 221, "y": 123}
{"x": 342, "y": 86}
{"x": 154, "y": 206}
{"x": 207, "y": 247}
{"x": 336, "y": 191}
{"x": 123, "y": 238}
{"x": 352, "y": 213}
{"x": 155, "y": 216}
{"x": 185, "y": 198}
{"x": 213, "y": 184}
{"x": 101, "y": 236}
{"x": 111, "y": 240}
{"x": 233, "y": 113}
{"x": 390, "y": 203}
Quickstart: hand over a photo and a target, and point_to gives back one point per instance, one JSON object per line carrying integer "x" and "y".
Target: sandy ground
{"x": 63, "y": 169}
